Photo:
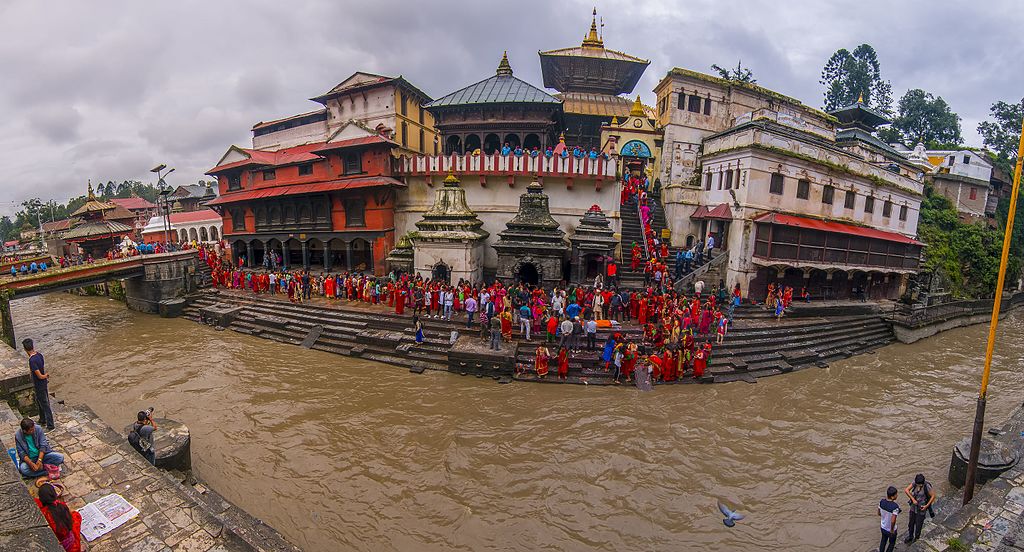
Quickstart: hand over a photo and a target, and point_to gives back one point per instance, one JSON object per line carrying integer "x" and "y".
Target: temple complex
{"x": 790, "y": 194}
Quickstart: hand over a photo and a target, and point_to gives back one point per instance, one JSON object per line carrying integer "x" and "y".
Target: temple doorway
{"x": 441, "y": 273}
{"x": 594, "y": 266}
{"x": 528, "y": 274}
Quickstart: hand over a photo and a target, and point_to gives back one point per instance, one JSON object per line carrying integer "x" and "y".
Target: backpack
{"x": 136, "y": 439}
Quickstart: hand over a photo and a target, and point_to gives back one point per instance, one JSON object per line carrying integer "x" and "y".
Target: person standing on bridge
{"x": 40, "y": 381}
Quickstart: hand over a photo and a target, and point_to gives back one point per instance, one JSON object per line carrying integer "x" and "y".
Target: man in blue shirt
{"x": 40, "y": 379}
{"x": 887, "y": 511}
{"x": 525, "y": 321}
{"x": 34, "y": 450}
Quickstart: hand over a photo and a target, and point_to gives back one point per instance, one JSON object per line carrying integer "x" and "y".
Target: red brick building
{"x": 325, "y": 205}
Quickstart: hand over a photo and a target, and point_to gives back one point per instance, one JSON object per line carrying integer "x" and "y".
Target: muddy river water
{"x": 344, "y": 454}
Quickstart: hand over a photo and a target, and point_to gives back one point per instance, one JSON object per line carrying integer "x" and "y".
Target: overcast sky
{"x": 105, "y": 90}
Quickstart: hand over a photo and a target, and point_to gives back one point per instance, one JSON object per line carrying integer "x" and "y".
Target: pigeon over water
{"x": 730, "y": 517}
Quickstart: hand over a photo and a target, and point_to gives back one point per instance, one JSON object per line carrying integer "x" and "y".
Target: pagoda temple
{"x": 497, "y": 111}
{"x": 101, "y": 227}
{"x": 591, "y": 79}
{"x": 531, "y": 249}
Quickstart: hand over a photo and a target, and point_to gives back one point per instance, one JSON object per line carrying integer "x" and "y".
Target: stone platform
{"x": 174, "y": 516}
{"x": 992, "y": 521}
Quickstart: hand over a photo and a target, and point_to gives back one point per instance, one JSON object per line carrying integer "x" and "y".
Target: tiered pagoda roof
{"x": 590, "y": 67}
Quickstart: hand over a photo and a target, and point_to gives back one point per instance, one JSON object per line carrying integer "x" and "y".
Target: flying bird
{"x": 730, "y": 517}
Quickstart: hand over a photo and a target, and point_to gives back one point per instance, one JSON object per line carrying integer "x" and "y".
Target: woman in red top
{"x": 700, "y": 362}
{"x": 540, "y": 362}
{"x": 563, "y": 363}
{"x": 67, "y": 525}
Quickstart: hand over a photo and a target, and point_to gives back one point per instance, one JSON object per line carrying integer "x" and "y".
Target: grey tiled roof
{"x": 496, "y": 89}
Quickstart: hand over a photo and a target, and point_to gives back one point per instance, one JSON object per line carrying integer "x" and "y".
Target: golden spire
{"x": 451, "y": 180}
{"x": 638, "y": 108}
{"x": 593, "y": 40}
{"x": 615, "y": 120}
{"x": 860, "y": 99}
{"x": 91, "y": 196}
{"x": 504, "y": 69}
{"x": 561, "y": 137}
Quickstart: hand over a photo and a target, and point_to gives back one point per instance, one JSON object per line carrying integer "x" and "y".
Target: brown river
{"x": 345, "y": 454}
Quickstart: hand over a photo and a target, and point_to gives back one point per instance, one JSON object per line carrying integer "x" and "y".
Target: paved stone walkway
{"x": 992, "y": 521}
{"x": 174, "y": 517}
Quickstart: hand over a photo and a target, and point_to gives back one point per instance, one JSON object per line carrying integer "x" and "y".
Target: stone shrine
{"x": 401, "y": 259}
{"x": 592, "y": 245}
{"x": 449, "y": 243}
{"x": 531, "y": 249}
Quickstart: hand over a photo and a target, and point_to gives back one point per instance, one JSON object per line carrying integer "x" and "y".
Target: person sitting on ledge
{"x": 34, "y": 450}
{"x": 505, "y": 150}
{"x": 535, "y": 151}
{"x": 518, "y": 151}
{"x": 66, "y": 525}
{"x": 549, "y": 152}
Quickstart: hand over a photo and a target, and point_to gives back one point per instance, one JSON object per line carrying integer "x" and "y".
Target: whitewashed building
{"x": 793, "y": 195}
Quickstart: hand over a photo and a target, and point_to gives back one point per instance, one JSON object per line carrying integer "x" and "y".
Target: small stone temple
{"x": 450, "y": 240}
{"x": 401, "y": 259}
{"x": 531, "y": 249}
{"x": 592, "y": 245}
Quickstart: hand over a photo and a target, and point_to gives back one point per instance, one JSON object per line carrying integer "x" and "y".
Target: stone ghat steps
{"x": 341, "y": 335}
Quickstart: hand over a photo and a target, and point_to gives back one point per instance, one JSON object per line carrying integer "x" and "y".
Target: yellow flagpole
{"x": 979, "y": 415}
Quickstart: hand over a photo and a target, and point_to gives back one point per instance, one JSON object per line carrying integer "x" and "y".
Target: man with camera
{"x": 921, "y": 499}
{"x": 140, "y": 437}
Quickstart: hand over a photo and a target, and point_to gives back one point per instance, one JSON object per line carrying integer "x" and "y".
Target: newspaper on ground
{"x": 104, "y": 515}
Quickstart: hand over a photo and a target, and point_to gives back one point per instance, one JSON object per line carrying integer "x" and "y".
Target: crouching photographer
{"x": 140, "y": 437}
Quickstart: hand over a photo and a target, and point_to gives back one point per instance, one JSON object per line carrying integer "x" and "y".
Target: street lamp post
{"x": 165, "y": 192}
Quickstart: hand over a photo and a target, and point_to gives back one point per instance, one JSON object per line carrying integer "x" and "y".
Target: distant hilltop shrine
{"x": 496, "y": 178}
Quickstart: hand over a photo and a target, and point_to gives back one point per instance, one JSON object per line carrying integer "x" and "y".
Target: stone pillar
{"x": 305, "y": 255}
{"x": 248, "y": 255}
{"x": 285, "y": 256}
{"x": 348, "y": 256}
{"x": 327, "y": 256}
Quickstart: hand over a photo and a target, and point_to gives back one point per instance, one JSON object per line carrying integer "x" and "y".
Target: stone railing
{"x": 496, "y": 164}
{"x": 914, "y": 316}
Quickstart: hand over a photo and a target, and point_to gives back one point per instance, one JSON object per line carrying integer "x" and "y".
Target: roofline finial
{"x": 593, "y": 40}
{"x": 860, "y": 99}
{"x": 504, "y": 68}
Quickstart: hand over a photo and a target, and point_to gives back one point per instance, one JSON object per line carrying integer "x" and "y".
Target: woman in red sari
{"x": 700, "y": 362}
{"x": 563, "y": 363}
{"x": 506, "y": 324}
{"x": 540, "y": 361}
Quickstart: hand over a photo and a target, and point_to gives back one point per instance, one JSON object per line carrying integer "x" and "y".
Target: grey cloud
{"x": 105, "y": 89}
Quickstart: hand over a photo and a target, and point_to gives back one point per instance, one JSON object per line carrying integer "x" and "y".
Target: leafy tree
{"x": 922, "y": 117}
{"x": 1002, "y": 134}
{"x": 849, "y": 75}
{"x": 739, "y": 74}
{"x": 6, "y": 228}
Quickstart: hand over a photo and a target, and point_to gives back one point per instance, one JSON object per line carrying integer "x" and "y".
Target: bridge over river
{"x": 148, "y": 280}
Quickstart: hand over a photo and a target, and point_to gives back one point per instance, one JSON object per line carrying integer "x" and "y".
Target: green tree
{"x": 1002, "y": 133}
{"x": 6, "y": 228}
{"x": 848, "y": 76}
{"x": 922, "y": 117}
{"x": 739, "y": 74}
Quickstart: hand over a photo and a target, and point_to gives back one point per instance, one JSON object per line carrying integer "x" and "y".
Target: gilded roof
{"x": 603, "y": 105}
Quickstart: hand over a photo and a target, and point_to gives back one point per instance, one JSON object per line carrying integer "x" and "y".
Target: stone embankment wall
{"x": 916, "y": 324}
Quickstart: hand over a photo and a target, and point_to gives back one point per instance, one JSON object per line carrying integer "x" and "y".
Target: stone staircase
{"x": 632, "y": 232}
{"x": 756, "y": 346}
